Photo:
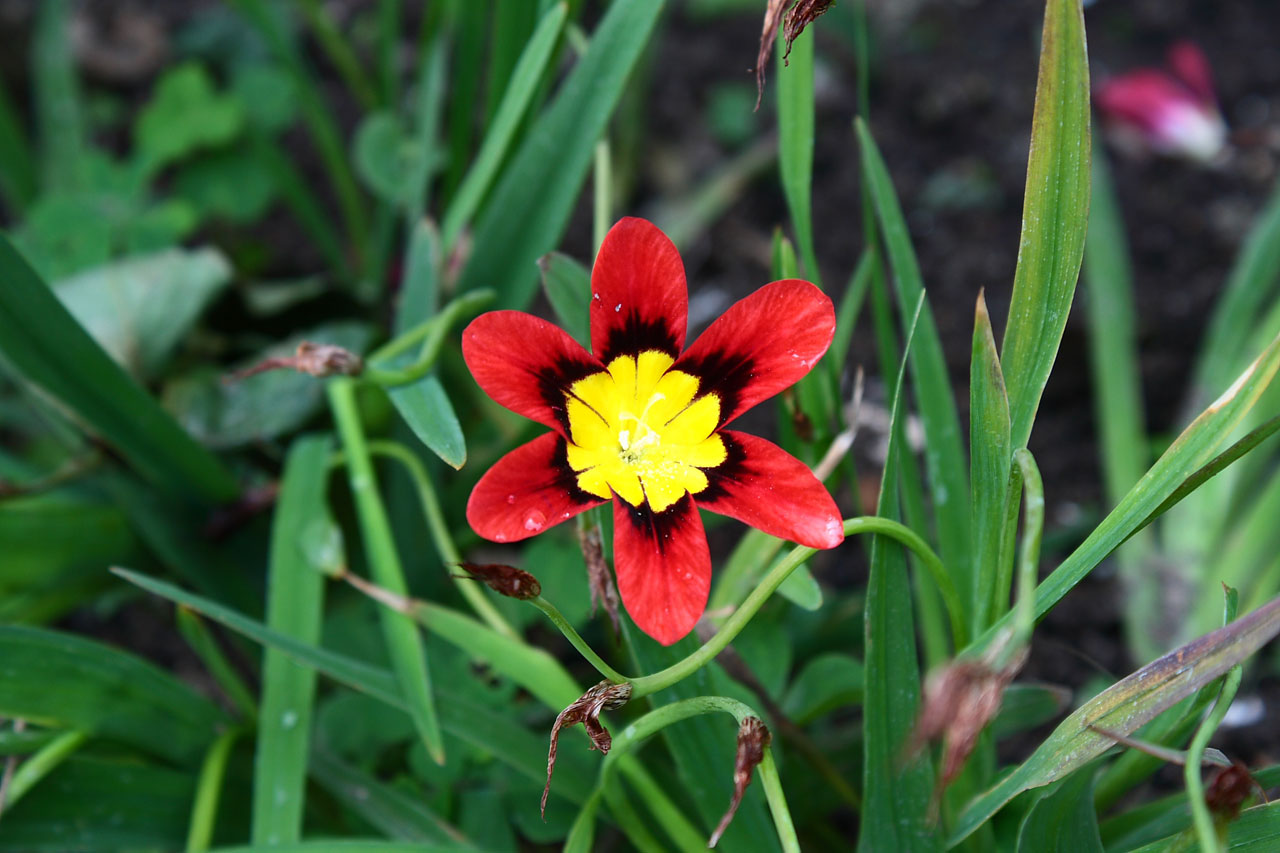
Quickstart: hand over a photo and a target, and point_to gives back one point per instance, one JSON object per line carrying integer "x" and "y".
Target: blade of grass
{"x": 202, "y": 642}
{"x": 295, "y": 607}
{"x": 41, "y": 764}
{"x": 944, "y": 449}
{"x": 895, "y": 797}
{"x": 335, "y": 46}
{"x": 204, "y": 807}
{"x": 530, "y": 205}
{"x": 41, "y": 340}
{"x": 59, "y": 115}
{"x": 404, "y": 644}
{"x": 1125, "y": 706}
{"x": 529, "y": 70}
{"x": 990, "y": 453}
{"x": 795, "y": 144}
{"x": 1054, "y": 214}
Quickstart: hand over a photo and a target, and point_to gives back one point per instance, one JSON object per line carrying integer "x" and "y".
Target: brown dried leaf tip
{"x": 605, "y": 696}
{"x": 319, "y": 360}
{"x": 959, "y": 700}
{"x": 599, "y": 578}
{"x": 753, "y": 737}
{"x": 504, "y": 580}
{"x": 1227, "y": 790}
{"x": 802, "y": 14}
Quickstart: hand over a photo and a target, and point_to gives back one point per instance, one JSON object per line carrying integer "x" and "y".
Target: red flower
{"x": 641, "y": 422}
{"x": 1170, "y": 112}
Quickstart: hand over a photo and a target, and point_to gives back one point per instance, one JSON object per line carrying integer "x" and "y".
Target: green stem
{"x": 768, "y": 772}
{"x": 645, "y": 685}
{"x": 201, "y": 641}
{"x": 570, "y": 634}
{"x": 41, "y": 765}
{"x": 1200, "y": 815}
{"x": 601, "y": 187}
{"x": 204, "y": 810}
{"x": 1029, "y": 555}
{"x": 440, "y": 534}
{"x": 431, "y": 333}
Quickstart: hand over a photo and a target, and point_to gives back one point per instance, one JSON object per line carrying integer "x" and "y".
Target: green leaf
{"x": 35, "y": 544}
{"x": 990, "y": 454}
{"x": 58, "y": 679}
{"x": 1054, "y": 215}
{"x": 140, "y": 309}
{"x": 236, "y": 186}
{"x": 795, "y": 143}
{"x": 295, "y": 606}
{"x": 92, "y": 805}
{"x": 356, "y": 846}
{"x": 827, "y": 682}
{"x": 1257, "y": 830}
{"x": 266, "y": 95}
{"x": 567, "y": 284}
{"x": 1063, "y": 819}
{"x": 524, "y": 80}
{"x": 1025, "y": 706}
{"x": 388, "y": 157}
{"x": 184, "y": 115}
{"x": 43, "y": 342}
{"x": 944, "y": 448}
{"x": 262, "y": 407}
{"x": 896, "y": 797}
{"x": 801, "y": 589}
{"x": 426, "y": 408}
{"x": 529, "y": 207}
{"x": 1124, "y": 707}
{"x": 59, "y": 107}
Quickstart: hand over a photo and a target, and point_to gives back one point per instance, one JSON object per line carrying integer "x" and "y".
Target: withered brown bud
{"x": 803, "y": 13}
{"x": 959, "y": 700}
{"x": 599, "y": 578}
{"x": 319, "y": 360}
{"x": 504, "y": 580}
{"x": 605, "y": 696}
{"x": 753, "y": 737}
{"x": 1227, "y": 790}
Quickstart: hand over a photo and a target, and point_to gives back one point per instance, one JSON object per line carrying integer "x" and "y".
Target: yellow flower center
{"x": 639, "y": 430}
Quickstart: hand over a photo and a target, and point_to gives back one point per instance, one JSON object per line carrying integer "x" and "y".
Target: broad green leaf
{"x": 295, "y": 605}
{"x": 827, "y": 682}
{"x": 1054, "y": 214}
{"x": 59, "y": 679}
{"x": 795, "y": 143}
{"x": 266, "y": 95}
{"x": 36, "y": 547}
{"x": 529, "y": 207}
{"x": 567, "y": 284}
{"x": 515, "y": 102}
{"x": 1125, "y": 706}
{"x": 1063, "y": 819}
{"x": 43, "y": 342}
{"x": 420, "y": 295}
{"x": 262, "y": 407}
{"x": 896, "y": 797}
{"x": 184, "y": 115}
{"x": 426, "y": 408}
{"x": 140, "y": 309}
{"x": 990, "y": 454}
{"x": 236, "y": 186}
{"x": 94, "y": 804}
{"x": 944, "y": 448}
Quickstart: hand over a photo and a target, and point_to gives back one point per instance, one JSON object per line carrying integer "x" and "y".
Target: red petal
{"x": 663, "y": 565}
{"x": 1142, "y": 97}
{"x": 639, "y": 300}
{"x": 527, "y": 491}
{"x": 1189, "y": 64}
{"x": 526, "y": 363}
{"x": 762, "y": 485}
{"x": 761, "y": 345}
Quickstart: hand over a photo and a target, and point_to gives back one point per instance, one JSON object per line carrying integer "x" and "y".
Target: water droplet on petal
{"x": 511, "y": 499}
{"x": 535, "y": 520}
{"x": 617, "y": 308}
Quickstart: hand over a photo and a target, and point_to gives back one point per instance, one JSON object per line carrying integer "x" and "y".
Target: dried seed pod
{"x": 753, "y": 737}
{"x": 803, "y": 13}
{"x": 319, "y": 360}
{"x": 599, "y": 578}
{"x": 504, "y": 580}
{"x": 605, "y": 696}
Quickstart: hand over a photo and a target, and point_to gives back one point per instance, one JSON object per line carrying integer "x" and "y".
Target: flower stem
{"x": 440, "y": 534}
{"x": 778, "y": 803}
{"x": 645, "y": 685}
{"x": 432, "y": 334}
{"x": 570, "y": 634}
